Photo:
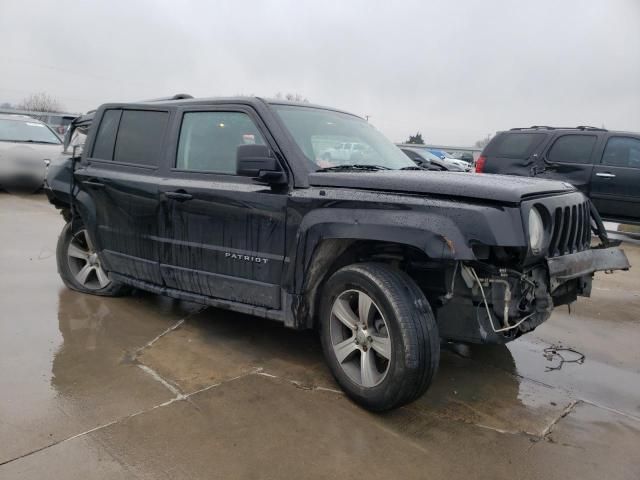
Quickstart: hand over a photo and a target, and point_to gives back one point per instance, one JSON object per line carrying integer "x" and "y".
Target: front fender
{"x": 442, "y": 229}
{"x": 435, "y": 234}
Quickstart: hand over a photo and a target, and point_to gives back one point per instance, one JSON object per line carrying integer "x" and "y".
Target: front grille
{"x": 571, "y": 229}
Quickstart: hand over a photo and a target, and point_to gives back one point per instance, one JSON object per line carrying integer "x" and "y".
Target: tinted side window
{"x": 622, "y": 152}
{"x": 209, "y": 140}
{"x": 140, "y": 137}
{"x": 515, "y": 145}
{"x": 572, "y": 149}
{"x": 106, "y": 137}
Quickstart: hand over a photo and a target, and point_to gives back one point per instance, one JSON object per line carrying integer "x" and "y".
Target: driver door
{"x": 222, "y": 235}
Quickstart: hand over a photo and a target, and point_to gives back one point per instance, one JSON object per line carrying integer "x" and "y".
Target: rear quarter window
{"x": 622, "y": 152}
{"x": 572, "y": 149}
{"x": 514, "y": 145}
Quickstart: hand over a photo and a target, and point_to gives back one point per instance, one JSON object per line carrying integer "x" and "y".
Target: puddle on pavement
{"x": 217, "y": 345}
{"x": 68, "y": 370}
{"x": 595, "y": 381}
{"x": 214, "y": 346}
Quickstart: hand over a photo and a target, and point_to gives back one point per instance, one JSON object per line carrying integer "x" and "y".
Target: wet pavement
{"x": 147, "y": 387}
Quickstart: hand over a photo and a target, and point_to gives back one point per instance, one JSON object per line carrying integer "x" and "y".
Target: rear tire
{"x": 379, "y": 335}
{"x": 79, "y": 265}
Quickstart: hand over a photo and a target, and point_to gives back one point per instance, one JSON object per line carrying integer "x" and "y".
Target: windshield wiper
{"x": 338, "y": 168}
{"x": 414, "y": 167}
{"x": 35, "y": 141}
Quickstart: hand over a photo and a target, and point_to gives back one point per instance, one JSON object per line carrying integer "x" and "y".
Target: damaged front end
{"x": 495, "y": 302}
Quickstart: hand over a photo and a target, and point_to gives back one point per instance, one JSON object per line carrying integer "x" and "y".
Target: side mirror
{"x": 256, "y": 161}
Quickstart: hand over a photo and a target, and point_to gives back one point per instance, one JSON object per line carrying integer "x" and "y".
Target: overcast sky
{"x": 454, "y": 71}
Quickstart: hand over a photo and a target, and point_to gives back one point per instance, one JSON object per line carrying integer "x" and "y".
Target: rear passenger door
{"x": 222, "y": 235}
{"x": 570, "y": 158}
{"x": 120, "y": 181}
{"x": 615, "y": 188}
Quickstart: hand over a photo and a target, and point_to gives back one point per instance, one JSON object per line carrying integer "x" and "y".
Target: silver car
{"x": 27, "y": 146}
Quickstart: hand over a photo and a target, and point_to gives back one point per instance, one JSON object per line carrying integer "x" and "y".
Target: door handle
{"x": 605, "y": 175}
{"x": 93, "y": 183}
{"x": 180, "y": 196}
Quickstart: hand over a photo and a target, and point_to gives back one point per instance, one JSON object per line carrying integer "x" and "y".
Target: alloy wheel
{"x": 360, "y": 338}
{"x": 85, "y": 264}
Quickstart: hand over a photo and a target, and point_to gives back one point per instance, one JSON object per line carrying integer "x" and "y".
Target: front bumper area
{"x": 492, "y": 305}
{"x": 576, "y": 265}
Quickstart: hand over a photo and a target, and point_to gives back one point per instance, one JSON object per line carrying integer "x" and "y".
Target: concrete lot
{"x": 146, "y": 387}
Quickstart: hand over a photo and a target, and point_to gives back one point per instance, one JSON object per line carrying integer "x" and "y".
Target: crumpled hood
{"x": 500, "y": 188}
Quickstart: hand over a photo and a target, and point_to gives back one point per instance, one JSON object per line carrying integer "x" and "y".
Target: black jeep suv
{"x": 230, "y": 203}
{"x": 604, "y": 165}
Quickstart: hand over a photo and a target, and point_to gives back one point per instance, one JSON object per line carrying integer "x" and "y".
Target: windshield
{"x": 331, "y": 139}
{"x": 25, "y": 131}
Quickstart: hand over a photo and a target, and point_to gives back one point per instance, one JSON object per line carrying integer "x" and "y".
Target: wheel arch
{"x": 331, "y": 254}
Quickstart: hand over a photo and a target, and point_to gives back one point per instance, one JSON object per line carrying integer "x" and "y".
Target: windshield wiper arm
{"x": 414, "y": 167}
{"x": 35, "y": 141}
{"x": 356, "y": 166}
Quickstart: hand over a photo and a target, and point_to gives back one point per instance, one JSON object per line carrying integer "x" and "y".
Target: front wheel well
{"x": 333, "y": 254}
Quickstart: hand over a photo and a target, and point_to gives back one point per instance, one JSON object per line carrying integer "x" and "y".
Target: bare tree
{"x": 484, "y": 142}
{"x": 292, "y": 97}
{"x": 40, "y": 102}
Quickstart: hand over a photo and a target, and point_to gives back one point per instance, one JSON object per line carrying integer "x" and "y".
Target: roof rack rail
{"x": 587, "y": 127}
{"x": 177, "y": 96}
{"x": 546, "y": 127}
{"x": 535, "y": 127}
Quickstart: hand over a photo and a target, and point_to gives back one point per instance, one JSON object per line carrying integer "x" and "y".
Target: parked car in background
{"x": 465, "y": 157}
{"x": 603, "y": 164}
{"x": 451, "y": 160}
{"x": 27, "y": 146}
{"x": 344, "y": 151}
{"x": 59, "y": 122}
{"x": 425, "y": 159}
{"x": 224, "y": 202}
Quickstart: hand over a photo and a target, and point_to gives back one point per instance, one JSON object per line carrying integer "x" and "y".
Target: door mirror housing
{"x": 257, "y": 161}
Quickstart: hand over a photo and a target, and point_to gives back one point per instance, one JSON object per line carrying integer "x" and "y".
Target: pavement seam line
{"x": 447, "y": 418}
{"x": 177, "y": 398}
{"x": 178, "y": 324}
{"x": 156, "y": 376}
{"x": 298, "y": 384}
{"x": 174, "y": 389}
{"x": 567, "y": 410}
{"x": 612, "y": 410}
{"x": 173, "y": 327}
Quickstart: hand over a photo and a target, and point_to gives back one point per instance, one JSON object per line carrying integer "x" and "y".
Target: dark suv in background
{"x": 603, "y": 164}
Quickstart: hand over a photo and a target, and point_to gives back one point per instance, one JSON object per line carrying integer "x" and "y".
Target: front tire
{"x": 379, "y": 335}
{"x": 79, "y": 265}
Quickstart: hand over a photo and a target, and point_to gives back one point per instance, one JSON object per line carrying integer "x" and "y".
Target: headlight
{"x": 536, "y": 230}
